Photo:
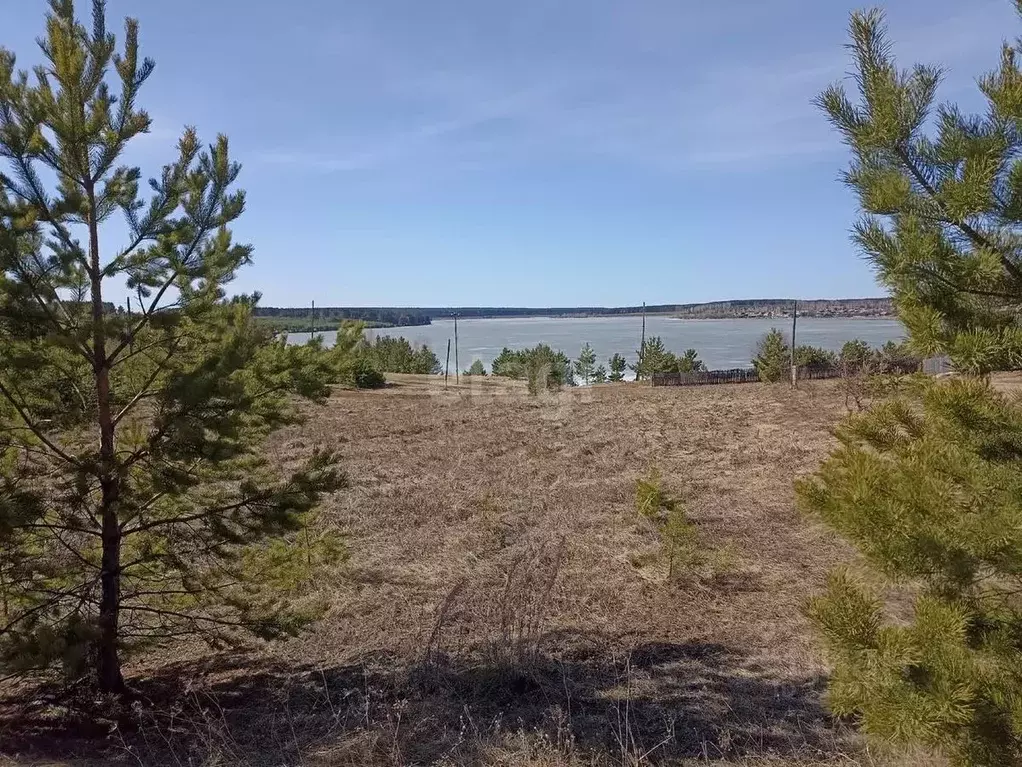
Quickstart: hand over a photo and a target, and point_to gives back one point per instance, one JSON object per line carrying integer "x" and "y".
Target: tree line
{"x": 772, "y": 361}
{"x": 752, "y": 307}
{"x": 302, "y": 318}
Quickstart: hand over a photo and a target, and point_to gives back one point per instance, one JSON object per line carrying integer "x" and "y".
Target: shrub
{"x": 365, "y": 375}
{"x": 857, "y": 357}
{"x": 540, "y": 366}
{"x": 398, "y": 355}
{"x": 477, "y": 368}
{"x": 649, "y": 495}
{"x": 668, "y": 517}
{"x": 898, "y": 358}
{"x": 815, "y": 357}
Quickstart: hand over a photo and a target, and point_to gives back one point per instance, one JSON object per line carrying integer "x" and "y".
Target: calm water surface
{"x": 721, "y": 343}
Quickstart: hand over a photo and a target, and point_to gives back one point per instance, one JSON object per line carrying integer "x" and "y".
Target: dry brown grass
{"x": 503, "y": 606}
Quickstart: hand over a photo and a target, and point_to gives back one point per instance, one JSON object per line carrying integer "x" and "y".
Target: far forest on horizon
{"x": 293, "y": 317}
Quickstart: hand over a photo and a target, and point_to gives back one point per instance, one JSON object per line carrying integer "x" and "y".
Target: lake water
{"x": 721, "y": 344}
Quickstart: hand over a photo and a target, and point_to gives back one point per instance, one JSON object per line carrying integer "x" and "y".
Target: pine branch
{"x": 185, "y": 616}
{"x": 147, "y": 347}
{"x": 188, "y": 518}
{"x": 977, "y": 238}
{"x": 6, "y": 393}
{"x": 142, "y": 392}
{"x": 206, "y": 226}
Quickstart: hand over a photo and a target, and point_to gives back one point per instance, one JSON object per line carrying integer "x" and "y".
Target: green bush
{"x": 857, "y": 356}
{"x": 540, "y": 366}
{"x": 668, "y": 517}
{"x": 649, "y": 495}
{"x": 815, "y": 357}
{"x": 365, "y": 375}
{"x": 398, "y": 355}
{"x": 477, "y": 368}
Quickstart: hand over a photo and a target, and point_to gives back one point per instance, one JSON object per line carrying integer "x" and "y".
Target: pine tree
{"x": 600, "y": 374}
{"x": 939, "y": 209}
{"x": 135, "y": 507}
{"x": 654, "y": 358}
{"x": 617, "y": 368}
{"x": 689, "y": 362}
{"x": 773, "y": 357}
{"x": 928, "y": 484}
{"x": 585, "y": 364}
{"x": 477, "y": 368}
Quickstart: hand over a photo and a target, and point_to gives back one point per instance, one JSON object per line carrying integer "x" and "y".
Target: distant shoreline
{"x": 758, "y": 308}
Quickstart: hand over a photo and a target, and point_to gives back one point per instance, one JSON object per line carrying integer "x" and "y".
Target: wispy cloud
{"x": 630, "y": 95}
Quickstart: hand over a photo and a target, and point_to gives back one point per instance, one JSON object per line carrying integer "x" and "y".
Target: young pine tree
{"x": 600, "y": 374}
{"x": 585, "y": 364}
{"x": 653, "y": 358}
{"x": 773, "y": 358}
{"x": 476, "y": 369}
{"x": 689, "y": 362}
{"x": 928, "y": 486}
{"x": 856, "y": 356}
{"x": 617, "y": 365}
{"x": 135, "y": 507}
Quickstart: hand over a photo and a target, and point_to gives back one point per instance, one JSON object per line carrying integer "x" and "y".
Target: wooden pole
{"x": 447, "y": 365}
{"x": 457, "y": 366}
{"x": 794, "y": 367}
{"x": 312, "y": 323}
{"x": 642, "y": 341}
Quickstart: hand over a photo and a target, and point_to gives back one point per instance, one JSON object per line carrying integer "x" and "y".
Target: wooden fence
{"x": 735, "y": 375}
{"x": 749, "y": 375}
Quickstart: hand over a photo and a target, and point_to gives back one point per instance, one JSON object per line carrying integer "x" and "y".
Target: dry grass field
{"x": 504, "y": 604}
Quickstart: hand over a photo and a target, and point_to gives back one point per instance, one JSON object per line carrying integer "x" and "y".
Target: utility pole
{"x": 457, "y": 367}
{"x": 794, "y": 367}
{"x": 312, "y": 323}
{"x": 642, "y": 342}
{"x": 447, "y": 365}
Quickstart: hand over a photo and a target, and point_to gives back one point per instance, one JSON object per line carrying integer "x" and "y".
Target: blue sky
{"x": 534, "y": 153}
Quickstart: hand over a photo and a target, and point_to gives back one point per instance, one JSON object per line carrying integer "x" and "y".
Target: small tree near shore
{"x": 135, "y": 506}
{"x": 585, "y": 364}
{"x": 477, "y": 368}
{"x": 618, "y": 364}
{"x": 773, "y": 358}
{"x": 654, "y": 357}
{"x": 689, "y": 362}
